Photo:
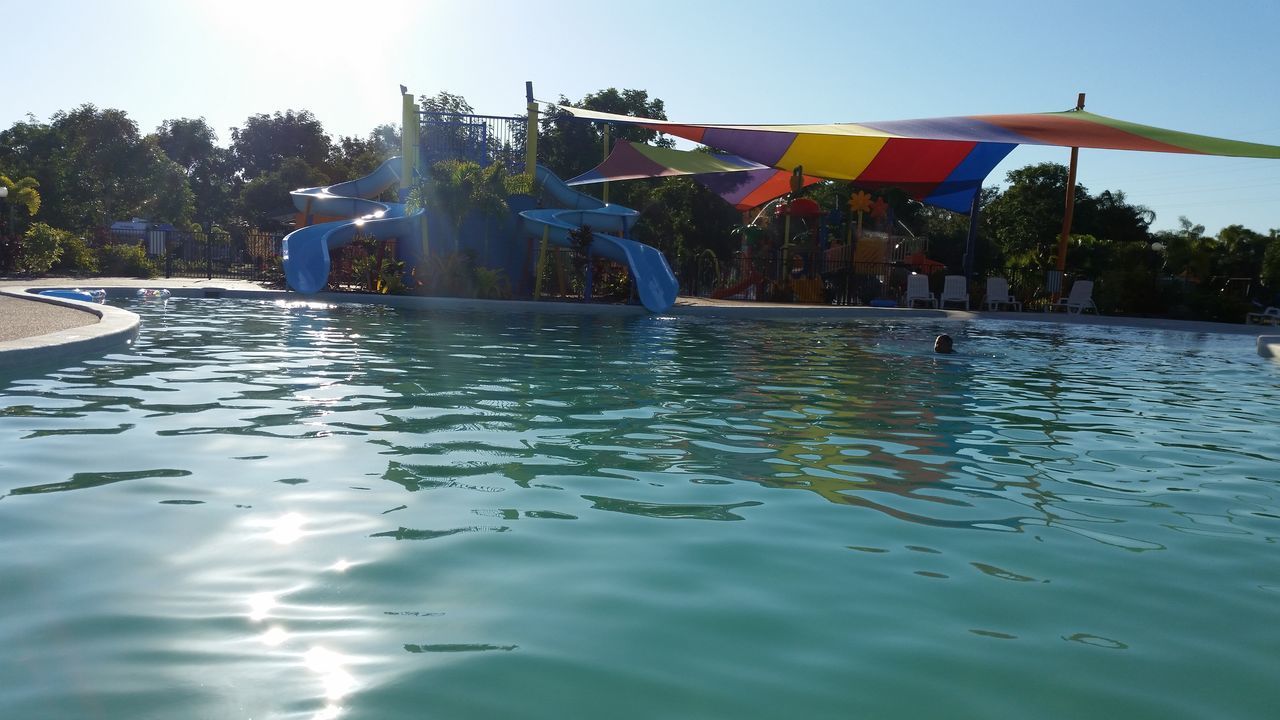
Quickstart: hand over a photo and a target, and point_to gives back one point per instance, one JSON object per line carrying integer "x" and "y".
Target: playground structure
{"x": 940, "y": 162}
{"x": 335, "y": 216}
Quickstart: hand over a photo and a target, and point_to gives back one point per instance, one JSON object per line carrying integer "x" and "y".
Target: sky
{"x": 1207, "y": 68}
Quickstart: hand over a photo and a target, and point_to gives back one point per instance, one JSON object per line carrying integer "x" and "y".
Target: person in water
{"x": 943, "y": 344}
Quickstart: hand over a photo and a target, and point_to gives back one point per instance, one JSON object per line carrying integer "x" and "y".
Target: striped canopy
{"x": 741, "y": 182}
{"x": 940, "y": 161}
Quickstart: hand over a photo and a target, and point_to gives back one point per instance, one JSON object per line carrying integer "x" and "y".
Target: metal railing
{"x": 832, "y": 278}
{"x": 179, "y": 253}
{"x": 482, "y": 139}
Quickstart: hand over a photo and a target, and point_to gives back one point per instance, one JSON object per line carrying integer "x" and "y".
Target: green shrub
{"x": 77, "y": 257}
{"x": 126, "y": 261}
{"x": 41, "y": 248}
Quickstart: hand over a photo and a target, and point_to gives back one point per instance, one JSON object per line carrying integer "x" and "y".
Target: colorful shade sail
{"x": 741, "y": 182}
{"x": 941, "y": 161}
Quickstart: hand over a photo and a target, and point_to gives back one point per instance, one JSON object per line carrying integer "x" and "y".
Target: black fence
{"x": 832, "y": 278}
{"x": 177, "y": 253}
{"x": 482, "y": 139}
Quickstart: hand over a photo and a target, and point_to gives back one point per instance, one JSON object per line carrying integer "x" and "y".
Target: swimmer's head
{"x": 943, "y": 344}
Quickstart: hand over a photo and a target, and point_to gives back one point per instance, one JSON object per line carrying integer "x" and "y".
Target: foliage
{"x": 125, "y": 260}
{"x": 93, "y": 166}
{"x": 449, "y": 275}
{"x": 265, "y": 142}
{"x": 491, "y": 283}
{"x": 580, "y": 240}
{"x": 456, "y": 189}
{"x": 77, "y": 257}
{"x": 376, "y": 273}
{"x": 1026, "y": 219}
{"x": 265, "y": 198}
{"x": 23, "y": 192}
{"x": 209, "y": 169}
{"x": 41, "y": 247}
{"x": 1270, "y": 272}
{"x": 570, "y": 146}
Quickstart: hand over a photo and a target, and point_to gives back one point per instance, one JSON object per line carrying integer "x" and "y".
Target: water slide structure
{"x": 655, "y": 283}
{"x": 306, "y": 250}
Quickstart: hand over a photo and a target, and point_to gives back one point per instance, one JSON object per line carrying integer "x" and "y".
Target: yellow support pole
{"x": 410, "y": 140}
{"x": 542, "y": 262}
{"x": 531, "y": 134}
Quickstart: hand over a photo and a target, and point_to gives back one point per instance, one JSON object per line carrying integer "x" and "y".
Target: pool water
{"x": 269, "y": 511}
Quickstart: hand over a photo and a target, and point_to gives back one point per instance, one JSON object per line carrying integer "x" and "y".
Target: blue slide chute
{"x": 306, "y": 250}
{"x": 655, "y": 283}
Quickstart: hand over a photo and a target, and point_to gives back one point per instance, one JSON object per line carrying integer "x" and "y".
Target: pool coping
{"x": 114, "y": 328}
{"x": 119, "y": 327}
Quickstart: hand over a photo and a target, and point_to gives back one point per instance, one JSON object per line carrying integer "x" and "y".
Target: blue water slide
{"x": 655, "y": 283}
{"x": 306, "y": 250}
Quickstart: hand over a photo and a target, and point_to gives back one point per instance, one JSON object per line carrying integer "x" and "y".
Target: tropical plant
{"x": 77, "y": 257}
{"x": 41, "y": 248}
{"x": 126, "y": 260}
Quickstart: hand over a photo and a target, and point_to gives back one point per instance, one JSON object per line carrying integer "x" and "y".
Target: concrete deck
{"x": 41, "y": 328}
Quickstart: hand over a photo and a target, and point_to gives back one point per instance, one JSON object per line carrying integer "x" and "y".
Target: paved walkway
{"x": 19, "y": 319}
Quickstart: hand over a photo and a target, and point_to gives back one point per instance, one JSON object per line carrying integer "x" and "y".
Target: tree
{"x": 354, "y": 157}
{"x": 263, "y": 144}
{"x": 570, "y": 146}
{"x": 264, "y": 199}
{"x": 192, "y": 144}
{"x": 1027, "y": 217}
{"x": 93, "y": 166}
{"x": 23, "y": 192}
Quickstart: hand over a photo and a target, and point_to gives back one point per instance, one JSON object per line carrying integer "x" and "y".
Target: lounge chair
{"x": 1079, "y": 300}
{"x": 998, "y": 295}
{"x": 918, "y": 291}
{"x": 1270, "y": 316}
{"x": 956, "y": 290}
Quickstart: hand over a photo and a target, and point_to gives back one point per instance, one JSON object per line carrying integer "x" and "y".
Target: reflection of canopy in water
{"x": 941, "y": 161}
{"x": 741, "y": 182}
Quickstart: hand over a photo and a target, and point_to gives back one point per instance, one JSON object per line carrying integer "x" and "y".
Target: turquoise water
{"x": 261, "y": 511}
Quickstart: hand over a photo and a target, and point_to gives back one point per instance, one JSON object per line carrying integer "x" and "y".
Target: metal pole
{"x": 971, "y": 243}
{"x": 531, "y": 133}
{"x": 1070, "y": 200}
{"x": 604, "y": 192}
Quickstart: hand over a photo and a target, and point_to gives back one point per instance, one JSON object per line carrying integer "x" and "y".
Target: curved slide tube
{"x": 306, "y": 250}
{"x": 655, "y": 283}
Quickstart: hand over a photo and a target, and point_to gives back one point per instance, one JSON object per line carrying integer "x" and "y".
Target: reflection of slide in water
{"x": 655, "y": 282}
{"x": 306, "y": 250}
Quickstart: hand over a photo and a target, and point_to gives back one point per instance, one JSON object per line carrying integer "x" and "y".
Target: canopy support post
{"x": 1070, "y": 201}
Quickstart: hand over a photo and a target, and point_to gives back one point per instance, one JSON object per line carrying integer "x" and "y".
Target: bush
{"x": 77, "y": 257}
{"x": 40, "y": 248}
{"x": 126, "y": 261}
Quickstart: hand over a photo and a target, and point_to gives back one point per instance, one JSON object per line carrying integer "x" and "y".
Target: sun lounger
{"x": 956, "y": 290}
{"x": 918, "y": 291}
{"x": 1079, "y": 300}
{"x": 1270, "y": 316}
{"x": 998, "y": 295}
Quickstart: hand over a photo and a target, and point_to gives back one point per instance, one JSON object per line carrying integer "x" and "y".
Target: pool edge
{"x": 115, "y": 327}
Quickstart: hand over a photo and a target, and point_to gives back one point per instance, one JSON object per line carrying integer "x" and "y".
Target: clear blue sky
{"x": 1209, "y": 68}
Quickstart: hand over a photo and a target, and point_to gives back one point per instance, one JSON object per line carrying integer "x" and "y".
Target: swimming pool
{"x": 264, "y": 511}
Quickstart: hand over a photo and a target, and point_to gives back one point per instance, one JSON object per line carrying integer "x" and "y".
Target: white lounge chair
{"x": 998, "y": 295}
{"x": 918, "y": 291}
{"x": 956, "y": 290}
{"x": 1079, "y": 300}
{"x": 1270, "y": 316}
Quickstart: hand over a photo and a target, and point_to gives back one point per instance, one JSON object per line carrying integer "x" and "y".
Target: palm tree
{"x": 24, "y": 193}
